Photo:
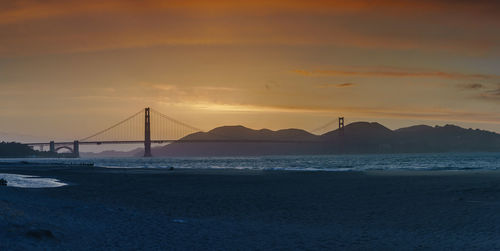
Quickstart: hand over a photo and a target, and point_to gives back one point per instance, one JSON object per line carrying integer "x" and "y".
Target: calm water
{"x": 442, "y": 161}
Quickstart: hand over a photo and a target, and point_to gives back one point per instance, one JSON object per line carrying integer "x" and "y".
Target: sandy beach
{"x": 155, "y": 209}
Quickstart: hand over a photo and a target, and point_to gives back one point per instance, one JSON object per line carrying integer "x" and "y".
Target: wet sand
{"x": 151, "y": 209}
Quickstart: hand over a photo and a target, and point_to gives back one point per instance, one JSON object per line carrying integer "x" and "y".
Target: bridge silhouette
{"x": 147, "y": 127}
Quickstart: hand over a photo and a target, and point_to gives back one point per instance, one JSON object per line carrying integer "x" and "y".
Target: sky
{"x": 71, "y": 68}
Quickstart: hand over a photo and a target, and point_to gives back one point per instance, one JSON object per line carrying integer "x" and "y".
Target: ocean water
{"x": 440, "y": 161}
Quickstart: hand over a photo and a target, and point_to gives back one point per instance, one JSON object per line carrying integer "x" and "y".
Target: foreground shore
{"x": 156, "y": 209}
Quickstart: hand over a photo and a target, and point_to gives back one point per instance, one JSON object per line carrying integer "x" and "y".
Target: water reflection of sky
{"x": 27, "y": 181}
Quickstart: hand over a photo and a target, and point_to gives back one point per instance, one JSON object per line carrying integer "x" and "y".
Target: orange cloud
{"x": 408, "y": 74}
{"x": 34, "y": 27}
{"x": 15, "y": 11}
{"x": 472, "y": 86}
{"x": 367, "y": 112}
{"x": 341, "y": 85}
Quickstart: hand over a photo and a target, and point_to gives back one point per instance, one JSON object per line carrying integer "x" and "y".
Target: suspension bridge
{"x": 147, "y": 127}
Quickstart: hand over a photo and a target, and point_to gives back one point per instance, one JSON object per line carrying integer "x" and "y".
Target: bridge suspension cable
{"x": 323, "y": 127}
{"x": 163, "y": 128}
{"x": 111, "y": 133}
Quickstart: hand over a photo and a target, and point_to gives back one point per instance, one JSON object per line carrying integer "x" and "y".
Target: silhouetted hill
{"x": 358, "y": 137}
{"x": 240, "y": 133}
{"x": 361, "y": 129}
{"x": 18, "y": 150}
{"x": 417, "y": 128}
{"x": 15, "y": 150}
{"x": 445, "y": 139}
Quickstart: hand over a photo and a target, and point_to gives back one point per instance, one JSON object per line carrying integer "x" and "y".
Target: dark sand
{"x": 146, "y": 209}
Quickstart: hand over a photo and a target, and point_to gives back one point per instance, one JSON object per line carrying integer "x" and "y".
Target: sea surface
{"x": 440, "y": 161}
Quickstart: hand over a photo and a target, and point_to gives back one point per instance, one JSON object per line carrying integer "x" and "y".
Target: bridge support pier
{"x": 76, "y": 149}
{"x": 147, "y": 133}
{"x": 52, "y": 147}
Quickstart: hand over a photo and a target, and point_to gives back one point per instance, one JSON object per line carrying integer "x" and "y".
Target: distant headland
{"x": 18, "y": 150}
{"x": 355, "y": 138}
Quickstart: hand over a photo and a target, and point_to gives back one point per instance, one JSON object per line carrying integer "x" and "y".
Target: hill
{"x": 358, "y": 137}
{"x": 242, "y": 141}
{"x": 18, "y": 150}
{"x": 449, "y": 138}
{"x": 15, "y": 150}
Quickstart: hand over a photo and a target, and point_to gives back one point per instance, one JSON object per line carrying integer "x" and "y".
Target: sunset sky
{"x": 71, "y": 68}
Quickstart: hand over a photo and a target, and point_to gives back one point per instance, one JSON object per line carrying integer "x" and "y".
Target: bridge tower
{"x": 341, "y": 138}
{"x": 341, "y": 126}
{"x": 147, "y": 133}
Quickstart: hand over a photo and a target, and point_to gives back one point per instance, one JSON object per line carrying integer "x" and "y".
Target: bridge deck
{"x": 176, "y": 141}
